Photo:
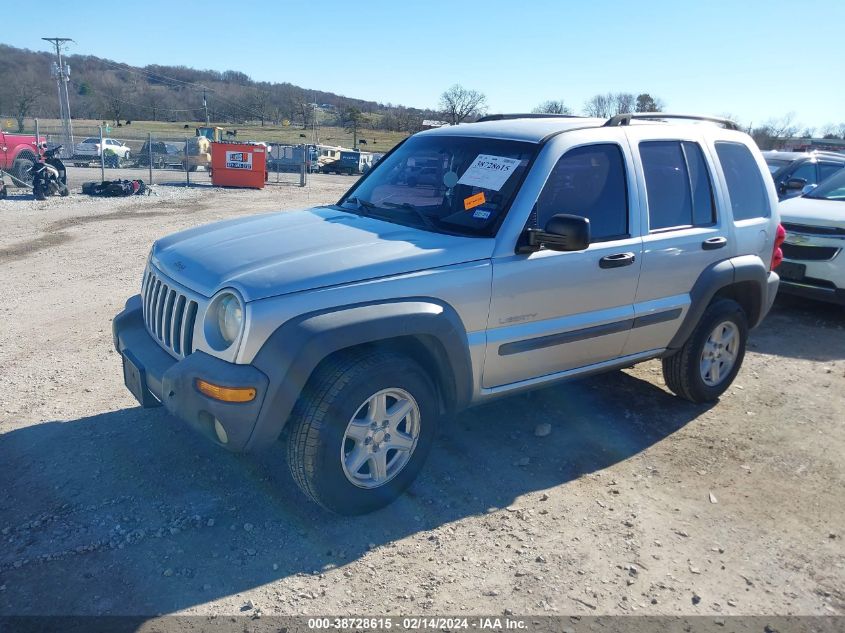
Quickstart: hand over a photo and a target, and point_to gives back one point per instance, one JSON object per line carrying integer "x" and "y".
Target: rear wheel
{"x": 709, "y": 361}
{"x": 362, "y": 430}
{"x": 22, "y": 168}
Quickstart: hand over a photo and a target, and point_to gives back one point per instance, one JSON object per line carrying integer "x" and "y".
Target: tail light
{"x": 777, "y": 253}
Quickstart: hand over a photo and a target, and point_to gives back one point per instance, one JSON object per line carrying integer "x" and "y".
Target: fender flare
{"x": 295, "y": 349}
{"x": 748, "y": 270}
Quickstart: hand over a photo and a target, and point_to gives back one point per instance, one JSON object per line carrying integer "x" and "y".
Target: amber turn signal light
{"x": 226, "y": 394}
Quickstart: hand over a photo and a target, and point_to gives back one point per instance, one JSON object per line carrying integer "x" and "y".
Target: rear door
{"x": 555, "y": 311}
{"x": 683, "y": 230}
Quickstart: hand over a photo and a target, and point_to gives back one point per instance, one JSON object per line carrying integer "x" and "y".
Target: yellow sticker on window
{"x": 474, "y": 201}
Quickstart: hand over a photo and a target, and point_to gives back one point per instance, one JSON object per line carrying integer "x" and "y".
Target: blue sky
{"x": 756, "y": 60}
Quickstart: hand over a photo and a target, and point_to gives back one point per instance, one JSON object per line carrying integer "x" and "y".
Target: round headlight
{"x": 230, "y": 318}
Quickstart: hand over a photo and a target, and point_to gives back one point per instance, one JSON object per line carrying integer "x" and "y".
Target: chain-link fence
{"x": 121, "y": 153}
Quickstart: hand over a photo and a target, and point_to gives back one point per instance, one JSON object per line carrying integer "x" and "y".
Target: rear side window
{"x": 826, "y": 170}
{"x": 589, "y": 181}
{"x": 677, "y": 184}
{"x": 745, "y": 183}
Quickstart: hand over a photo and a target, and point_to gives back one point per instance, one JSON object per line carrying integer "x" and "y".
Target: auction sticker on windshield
{"x": 489, "y": 172}
{"x": 474, "y": 201}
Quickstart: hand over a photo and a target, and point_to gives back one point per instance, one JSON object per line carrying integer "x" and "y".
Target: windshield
{"x": 448, "y": 184}
{"x": 831, "y": 189}
{"x": 90, "y": 141}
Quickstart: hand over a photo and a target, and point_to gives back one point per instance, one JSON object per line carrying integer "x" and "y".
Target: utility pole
{"x": 205, "y": 105}
{"x": 61, "y": 72}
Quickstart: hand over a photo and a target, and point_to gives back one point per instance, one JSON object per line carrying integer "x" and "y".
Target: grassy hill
{"x": 376, "y": 140}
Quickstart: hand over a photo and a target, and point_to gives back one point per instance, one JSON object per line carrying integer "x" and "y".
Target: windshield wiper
{"x": 363, "y": 205}
{"x": 422, "y": 216}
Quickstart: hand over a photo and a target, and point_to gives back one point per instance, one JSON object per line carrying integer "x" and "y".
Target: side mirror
{"x": 563, "y": 232}
{"x": 807, "y": 189}
{"x": 794, "y": 184}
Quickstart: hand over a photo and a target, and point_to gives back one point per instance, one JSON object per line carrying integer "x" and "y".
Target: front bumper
{"x": 155, "y": 378}
{"x": 814, "y": 266}
{"x": 813, "y": 289}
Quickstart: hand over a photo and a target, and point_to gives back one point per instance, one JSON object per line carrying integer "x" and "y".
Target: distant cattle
{"x": 186, "y": 126}
{"x": 128, "y": 122}
{"x": 232, "y": 133}
{"x": 301, "y": 136}
{"x": 362, "y": 142}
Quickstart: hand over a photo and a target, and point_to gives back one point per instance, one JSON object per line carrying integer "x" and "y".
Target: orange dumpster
{"x": 238, "y": 165}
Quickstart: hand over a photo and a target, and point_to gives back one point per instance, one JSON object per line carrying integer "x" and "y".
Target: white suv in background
{"x": 814, "y": 266}
{"x": 89, "y": 149}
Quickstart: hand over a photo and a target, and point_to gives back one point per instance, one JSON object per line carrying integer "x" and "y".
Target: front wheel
{"x": 709, "y": 361}
{"x": 362, "y": 430}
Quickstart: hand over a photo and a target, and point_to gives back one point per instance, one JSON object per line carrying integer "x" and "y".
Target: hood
{"x": 813, "y": 212}
{"x": 290, "y": 251}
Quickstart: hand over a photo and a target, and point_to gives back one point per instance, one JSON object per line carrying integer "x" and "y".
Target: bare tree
{"x": 624, "y": 102}
{"x": 458, "y": 104}
{"x": 607, "y": 105}
{"x": 353, "y": 119}
{"x": 600, "y": 106}
{"x": 774, "y": 132}
{"x": 23, "y": 97}
{"x": 305, "y": 112}
{"x": 112, "y": 94}
{"x": 259, "y": 103}
{"x": 552, "y": 107}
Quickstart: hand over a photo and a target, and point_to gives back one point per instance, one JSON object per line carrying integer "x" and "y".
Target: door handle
{"x": 711, "y": 244}
{"x": 617, "y": 261}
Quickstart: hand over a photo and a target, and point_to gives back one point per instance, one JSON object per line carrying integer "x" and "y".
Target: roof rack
{"x": 625, "y": 119}
{"x": 532, "y": 115}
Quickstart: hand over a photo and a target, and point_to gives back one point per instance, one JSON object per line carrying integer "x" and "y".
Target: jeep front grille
{"x": 169, "y": 315}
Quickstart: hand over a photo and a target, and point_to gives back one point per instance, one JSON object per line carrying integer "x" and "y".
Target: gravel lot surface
{"x": 629, "y": 501}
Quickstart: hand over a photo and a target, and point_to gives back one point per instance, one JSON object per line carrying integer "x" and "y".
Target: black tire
{"x": 3, "y": 192}
{"x": 64, "y": 191}
{"x": 22, "y": 168}
{"x": 682, "y": 370}
{"x": 333, "y": 395}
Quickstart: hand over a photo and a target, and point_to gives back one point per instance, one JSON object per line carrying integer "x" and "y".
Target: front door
{"x": 554, "y": 311}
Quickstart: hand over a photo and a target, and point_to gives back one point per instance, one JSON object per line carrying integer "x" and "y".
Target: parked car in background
{"x": 792, "y": 171}
{"x": 163, "y": 155}
{"x": 349, "y": 163}
{"x": 813, "y": 264}
{"x": 17, "y": 155}
{"x": 115, "y": 152}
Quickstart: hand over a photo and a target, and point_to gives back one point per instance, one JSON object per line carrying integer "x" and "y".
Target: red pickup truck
{"x": 17, "y": 154}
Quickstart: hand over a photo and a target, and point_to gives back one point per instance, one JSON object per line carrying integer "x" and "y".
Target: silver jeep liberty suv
{"x": 472, "y": 262}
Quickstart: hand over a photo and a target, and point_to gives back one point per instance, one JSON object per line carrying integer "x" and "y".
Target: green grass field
{"x": 376, "y": 140}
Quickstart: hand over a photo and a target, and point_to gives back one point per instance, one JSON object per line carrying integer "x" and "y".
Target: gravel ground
{"x": 633, "y": 502}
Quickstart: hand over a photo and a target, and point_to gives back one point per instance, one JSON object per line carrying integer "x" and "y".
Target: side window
{"x": 745, "y": 183}
{"x": 677, "y": 184}
{"x": 806, "y": 171}
{"x": 589, "y": 181}
{"x": 703, "y": 205}
{"x": 828, "y": 169}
